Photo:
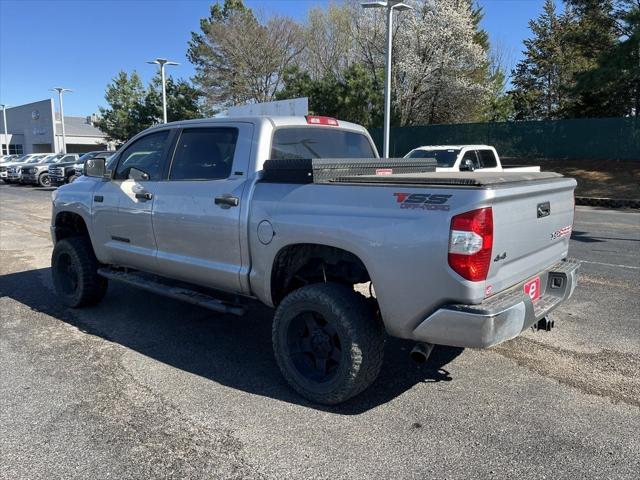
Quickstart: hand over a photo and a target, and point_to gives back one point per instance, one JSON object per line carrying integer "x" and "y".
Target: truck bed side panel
{"x": 404, "y": 249}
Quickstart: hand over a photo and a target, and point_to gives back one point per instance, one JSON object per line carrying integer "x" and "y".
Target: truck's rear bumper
{"x": 501, "y": 317}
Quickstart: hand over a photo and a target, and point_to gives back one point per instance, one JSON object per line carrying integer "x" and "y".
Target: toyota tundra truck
{"x": 298, "y": 213}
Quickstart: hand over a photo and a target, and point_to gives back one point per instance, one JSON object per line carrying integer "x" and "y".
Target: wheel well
{"x": 70, "y": 224}
{"x": 298, "y": 265}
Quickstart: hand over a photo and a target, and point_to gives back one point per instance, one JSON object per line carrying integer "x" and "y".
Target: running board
{"x": 152, "y": 283}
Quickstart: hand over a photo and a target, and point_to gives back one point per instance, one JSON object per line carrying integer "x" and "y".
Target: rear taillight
{"x": 318, "y": 120}
{"x": 470, "y": 244}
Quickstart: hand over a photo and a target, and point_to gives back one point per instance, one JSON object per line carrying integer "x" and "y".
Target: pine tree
{"x": 542, "y": 78}
{"x": 607, "y": 35}
{"x": 125, "y": 94}
{"x": 132, "y": 108}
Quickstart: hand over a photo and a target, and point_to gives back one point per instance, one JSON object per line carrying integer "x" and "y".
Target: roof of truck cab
{"x": 274, "y": 120}
{"x": 450, "y": 147}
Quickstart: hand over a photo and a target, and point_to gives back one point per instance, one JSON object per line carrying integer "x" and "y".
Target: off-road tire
{"x": 44, "y": 180}
{"x": 361, "y": 337}
{"x": 74, "y": 269}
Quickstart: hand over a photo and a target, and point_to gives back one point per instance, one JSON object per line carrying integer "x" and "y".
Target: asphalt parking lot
{"x": 146, "y": 387}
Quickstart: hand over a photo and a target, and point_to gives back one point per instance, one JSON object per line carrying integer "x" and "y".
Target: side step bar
{"x": 152, "y": 283}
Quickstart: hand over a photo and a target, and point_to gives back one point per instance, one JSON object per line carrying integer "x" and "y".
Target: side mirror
{"x": 95, "y": 167}
{"x": 467, "y": 165}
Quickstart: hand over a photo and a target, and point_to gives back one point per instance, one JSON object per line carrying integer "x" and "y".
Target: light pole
{"x": 4, "y": 123}
{"x": 390, "y": 5}
{"x": 60, "y": 91}
{"x": 162, "y": 62}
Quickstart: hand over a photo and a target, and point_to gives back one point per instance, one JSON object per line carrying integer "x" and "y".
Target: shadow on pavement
{"x": 584, "y": 237}
{"x": 229, "y": 350}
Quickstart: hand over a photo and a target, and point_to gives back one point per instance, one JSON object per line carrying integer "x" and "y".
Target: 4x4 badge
{"x": 500, "y": 256}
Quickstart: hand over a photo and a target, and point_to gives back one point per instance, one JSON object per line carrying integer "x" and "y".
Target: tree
{"x": 440, "y": 71}
{"x": 354, "y": 97}
{"x": 125, "y": 94}
{"x": 498, "y": 106}
{"x": 542, "y": 79}
{"x": 182, "y": 101}
{"x": 608, "y": 35}
{"x": 132, "y": 108}
{"x": 240, "y": 60}
{"x": 328, "y": 36}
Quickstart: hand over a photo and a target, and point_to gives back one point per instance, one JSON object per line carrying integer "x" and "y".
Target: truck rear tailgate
{"x": 532, "y": 227}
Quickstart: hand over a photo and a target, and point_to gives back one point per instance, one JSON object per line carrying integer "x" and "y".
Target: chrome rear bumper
{"x": 501, "y": 317}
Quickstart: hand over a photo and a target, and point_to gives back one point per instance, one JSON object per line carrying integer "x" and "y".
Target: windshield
{"x": 36, "y": 159}
{"x": 50, "y": 158}
{"x": 87, "y": 156}
{"x": 444, "y": 158}
{"x": 315, "y": 142}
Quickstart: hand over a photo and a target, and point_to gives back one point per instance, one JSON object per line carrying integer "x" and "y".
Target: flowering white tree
{"x": 439, "y": 68}
{"x": 439, "y": 64}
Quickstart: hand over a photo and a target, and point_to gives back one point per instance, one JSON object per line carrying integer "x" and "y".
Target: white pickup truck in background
{"x": 466, "y": 158}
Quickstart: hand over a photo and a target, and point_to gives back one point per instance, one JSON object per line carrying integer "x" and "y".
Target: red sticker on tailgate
{"x": 384, "y": 171}
{"x": 532, "y": 288}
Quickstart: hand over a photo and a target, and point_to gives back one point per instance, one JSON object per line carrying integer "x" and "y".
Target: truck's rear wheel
{"x": 328, "y": 343}
{"x": 74, "y": 268}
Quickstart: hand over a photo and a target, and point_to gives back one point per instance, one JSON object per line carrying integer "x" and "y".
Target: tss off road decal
{"x": 423, "y": 201}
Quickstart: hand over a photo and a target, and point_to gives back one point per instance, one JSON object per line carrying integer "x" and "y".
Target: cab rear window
{"x": 315, "y": 142}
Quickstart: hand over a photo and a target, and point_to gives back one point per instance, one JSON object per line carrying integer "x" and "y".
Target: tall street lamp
{"x": 162, "y": 62}
{"x": 390, "y": 5}
{"x": 60, "y": 91}
{"x": 4, "y": 123}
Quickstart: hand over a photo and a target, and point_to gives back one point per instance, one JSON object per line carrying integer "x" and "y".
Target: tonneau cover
{"x": 474, "y": 179}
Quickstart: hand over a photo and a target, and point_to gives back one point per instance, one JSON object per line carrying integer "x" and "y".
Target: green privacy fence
{"x": 585, "y": 138}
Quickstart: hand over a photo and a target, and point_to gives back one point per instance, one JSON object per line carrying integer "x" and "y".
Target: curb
{"x": 608, "y": 202}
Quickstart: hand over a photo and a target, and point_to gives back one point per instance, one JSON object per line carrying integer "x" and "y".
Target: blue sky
{"x": 82, "y": 44}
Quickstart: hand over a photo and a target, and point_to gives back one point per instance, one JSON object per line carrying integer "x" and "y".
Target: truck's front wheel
{"x": 74, "y": 268}
{"x": 328, "y": 343}
{"x": 44, "y": 180}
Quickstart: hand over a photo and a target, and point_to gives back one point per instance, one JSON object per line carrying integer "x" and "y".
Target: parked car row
{"x": 45, "y": 169}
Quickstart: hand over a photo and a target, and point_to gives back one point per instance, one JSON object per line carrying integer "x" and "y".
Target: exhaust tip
{"x": 421, "y": 352}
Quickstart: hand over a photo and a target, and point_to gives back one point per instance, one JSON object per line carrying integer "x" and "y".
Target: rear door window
{"x": 487, "y": 159}
{"x": 204, "y": 154}
{"x": 317, "y": 142}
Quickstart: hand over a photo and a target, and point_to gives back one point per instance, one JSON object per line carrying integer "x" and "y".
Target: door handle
{"x": 144, "y": 196}
{"x": 226, "y": 201}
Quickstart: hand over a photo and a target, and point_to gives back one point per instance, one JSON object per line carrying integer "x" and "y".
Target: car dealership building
{"x": 36, "y": 128}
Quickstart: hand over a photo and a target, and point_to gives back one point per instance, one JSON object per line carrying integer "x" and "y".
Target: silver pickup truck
{"x": 222, "y": 212}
